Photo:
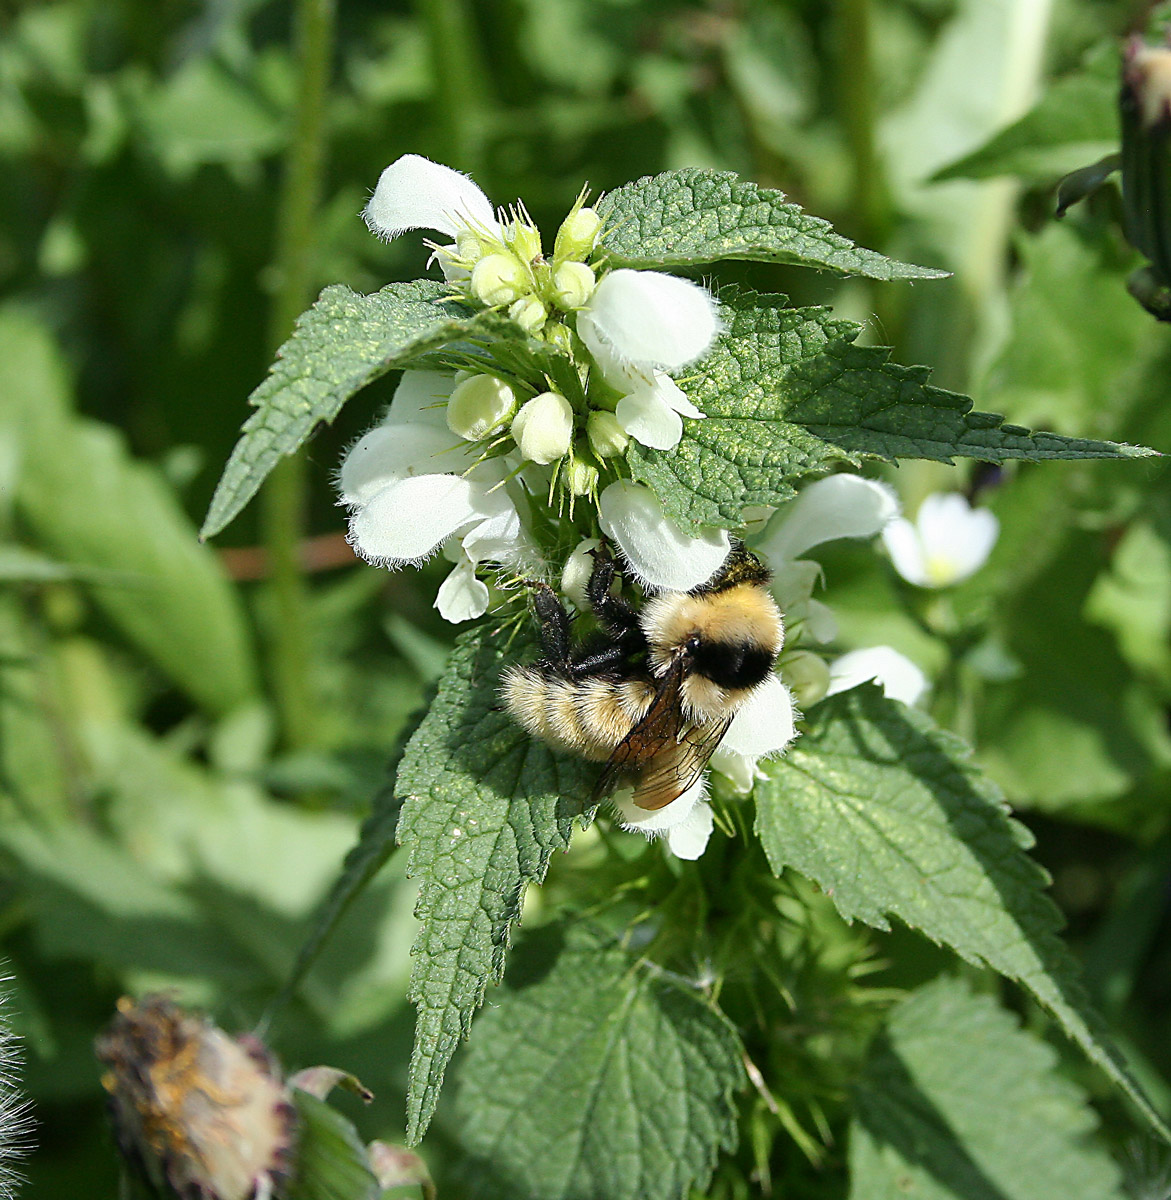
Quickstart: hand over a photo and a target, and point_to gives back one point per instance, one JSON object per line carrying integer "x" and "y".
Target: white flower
{"x": 412, "y": 488}
{"x": 949, "y": 541}
{"x": 639, "y": 325}
{"x": 649, "y": 320}
{"x": 685, "y": 823}
{"x": 416, "y": 193}
{"x": 838, "y": 506}
{"x": 897, "y": 675}
{"x": 658, "y": 552}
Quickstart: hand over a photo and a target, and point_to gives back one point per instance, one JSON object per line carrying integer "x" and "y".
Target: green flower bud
{"x": 525, "y": 240}
{"x": 499, "y": 279}
{"x": 607, "y": 437}
{"x": 560, "y": 336}
{"x": 576, "y": 237}
{"x": 807, "y": 676}
{"x": 468, "y": 245}
{"x": 581, "y": 477}
{"x": 573, "y": 284}
{"x": 529, "y": 313}
{"x": 479, "y": 405}
{"x": 543, "y": 428}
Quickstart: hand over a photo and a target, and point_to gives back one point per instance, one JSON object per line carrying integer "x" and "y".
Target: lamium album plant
{"x": 627, "y": 464}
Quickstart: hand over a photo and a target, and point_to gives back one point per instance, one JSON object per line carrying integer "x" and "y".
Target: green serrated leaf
{"x": 694, "y": 215}
{"x": 1076, "y": 120}
{"x": 787, "y": 392}
{"x": 341, "y": 344}
{"x": 483, "y": 807}
{"x": 594, "y": 1076}
{"x": 331, "y": 1162}
{"x": 956, "y": 1101}
{"x": 889, "y": 816}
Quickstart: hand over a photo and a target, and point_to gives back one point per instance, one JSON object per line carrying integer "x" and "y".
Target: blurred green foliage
{"x": 158, "y": 831}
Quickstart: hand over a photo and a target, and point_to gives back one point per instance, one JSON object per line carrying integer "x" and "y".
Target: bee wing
{"x": 668, "y": 751}
{"x": 674, "y": 771}
{"x": 660, "y": 729}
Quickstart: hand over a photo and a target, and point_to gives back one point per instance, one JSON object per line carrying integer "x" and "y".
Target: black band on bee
{"x": 731, "y": 665}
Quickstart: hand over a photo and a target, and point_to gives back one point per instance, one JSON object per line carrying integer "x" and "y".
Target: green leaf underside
{"x": 483, "y": 807}
{"x": 695, "y": 215}
{"x": 331, "y": 1162}
{"x": 594, "y": 1077}
{"x": 787, "y": 392}
{"x": 888, "y": 815}
{"x": 341, "y": 344}
{"x": 957, "y": 1102}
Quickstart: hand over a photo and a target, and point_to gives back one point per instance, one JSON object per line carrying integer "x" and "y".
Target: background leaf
{"x": 958, "y": 1103}
{"x": 888, "y": 815}
{"x": 99, "y": 511}
{"x": 484, "y": 805}
{"x": 593, "y": 1075}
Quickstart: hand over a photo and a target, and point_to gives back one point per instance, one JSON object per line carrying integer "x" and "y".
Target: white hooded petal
{"x": 764, "y": 723}
{"x": 410, "y": 519}
{"x": 652, "y": 821}
{"x": 793, "y": 582}
{"x": 649, "y": 319}
{"x": 690, "y": 837}
{"x": 502, "y": 538}
{"x": 901, "y": 540}
{"x": 416, "y": 193}
{"x": 820, "y": 622}
{"x": 389, "y": 453}
{"x": 659, "y": 553}
{"x": 421, "y": 398}
{"x": 839, "y": 506}
{"x": 462, "y": 597}
{"x": 649, "y": 420}
{"x": 899, "y": 678}
{"x": 738, "y": 769}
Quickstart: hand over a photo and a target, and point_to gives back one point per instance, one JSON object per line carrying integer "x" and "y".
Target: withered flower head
{"x": 199, "y": 1114}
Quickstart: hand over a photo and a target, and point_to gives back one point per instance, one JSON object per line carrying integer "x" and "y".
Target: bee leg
{"x": 615, "y": 616}
{"x": 554, "y": 627}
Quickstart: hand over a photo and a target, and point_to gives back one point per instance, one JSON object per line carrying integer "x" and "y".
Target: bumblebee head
{"x": 728, "y": 637}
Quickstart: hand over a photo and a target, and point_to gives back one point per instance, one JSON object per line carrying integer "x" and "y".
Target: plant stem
{"x": 870, "y": 197}
{"x": 461, "y": 90}
{"x": 283, "y": 499}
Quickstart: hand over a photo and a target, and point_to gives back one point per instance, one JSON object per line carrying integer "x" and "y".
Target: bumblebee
{"x": 654, "y": 691}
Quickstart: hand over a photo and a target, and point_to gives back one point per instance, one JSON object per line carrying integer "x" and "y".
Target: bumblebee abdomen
{"x": 588, "y": 717}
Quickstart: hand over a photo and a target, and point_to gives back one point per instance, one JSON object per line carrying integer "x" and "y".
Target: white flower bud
{"x": 529, "y": 313}
{"x": 479, "y": 405}
{"x": 607, "y": 437}
{"x": 573, "y": 284}
{"x": 543, "y": 428}
{"x": 807, "y": 676}
{"x": 499, "y": 279}
{"x": 581, "y": 477}
{"x": 576, "y": 237}
{"x": 579, "y": 566}
{"x": 560, "y": 336}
